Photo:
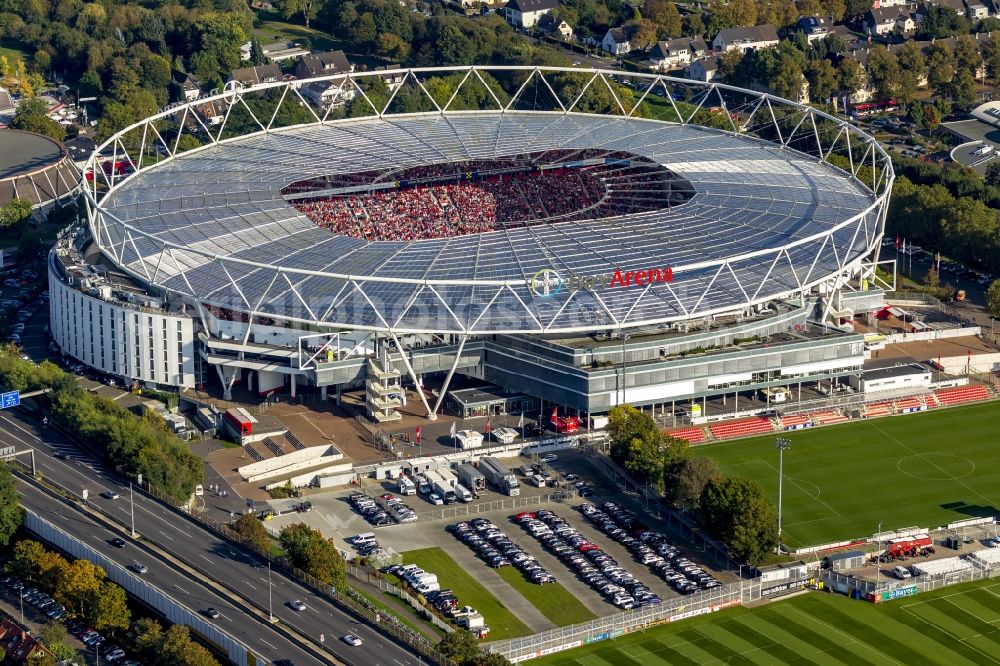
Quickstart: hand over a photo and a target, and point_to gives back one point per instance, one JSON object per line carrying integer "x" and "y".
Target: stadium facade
{"x": 585, "y": 237}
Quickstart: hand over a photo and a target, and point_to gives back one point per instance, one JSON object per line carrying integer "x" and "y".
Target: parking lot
{"x": 334, "y": 514}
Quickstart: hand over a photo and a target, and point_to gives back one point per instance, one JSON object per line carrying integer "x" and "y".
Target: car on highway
{"x": 117, "y": 542}
{"x": 109, "y": 494}
{"x": 297, "y": 605}
{"x": 212, "y": 613}
{"x": 138, "y": 567}
{"x": 352, "y": 639}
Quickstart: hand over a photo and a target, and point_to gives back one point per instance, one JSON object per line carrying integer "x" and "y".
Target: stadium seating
{"x": 878, "y": 409}
{"x": 741, "y": 428}
{"x": 828, "y": 417}
{"x": 960, "y": 394}
{"x": 295, "y": 442}
{"x": 273, "y": 447}
{"x": 693, "y": 435}
{"x": 252, "y": 452}
{"x": 793, "y": 420}
{"x": 910, "y": 403}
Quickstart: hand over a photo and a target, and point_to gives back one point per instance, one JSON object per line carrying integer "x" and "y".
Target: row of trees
{"x": 85, "y": 591}
{"x": 735, "y": 510}
{"x": 138, "y": 445}
{"x": 308, "y": 550}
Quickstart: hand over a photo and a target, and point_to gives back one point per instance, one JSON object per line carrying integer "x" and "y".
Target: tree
{"x": 32, "y": 116}
{"x": 883, "y": 70}
{"x": 852, "y": 77}
{"x": 739, "y": 13}
{"x": 491, "y": 659}
{"x": 693, "y": 474}
{"x": 626, "y": 423}
{"x": 737, "y": 511}
{"x": 25, "y": 559}
{"x": 931, "y": 278}
{"x": 643, "y": 34}
{"x": 10, "y": 511}
{"x": 788, "y": 80}
{"x": 665, "y": 15}
{"x": 854, "y": 9}
{"x": 459, "y": 646}
{"x": 309, "y": 551}
{"x": 963, "y": 89}
{"x": 967, "y": 54}
{"x": 991, "y": 55}
{"x": 940, "y": 68}
{"x": 15, "y": 212}
{"x": 822, "y": 79}
{"x": 177, "y": 649}
{"x": 993, "y": 299}
{"x": 109, "y": 608}
{"x": 55, "y": 637}
{"x": 992, "y": 176}
{"x": 251, "y": 532}
{"x": 79, "y": 584}
{"x": 912, "y": 66}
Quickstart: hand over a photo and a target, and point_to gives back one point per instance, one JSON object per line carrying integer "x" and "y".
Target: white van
{"x": 538, "y": 480}
{"x": 464, "y": 495}
{"x": 363, "y": 538}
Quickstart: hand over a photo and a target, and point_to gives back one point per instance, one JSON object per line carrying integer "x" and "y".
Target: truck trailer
{"x": 471, "y": 477}
{"x": 498, "y": 474}
{"x": 443, "y": 483}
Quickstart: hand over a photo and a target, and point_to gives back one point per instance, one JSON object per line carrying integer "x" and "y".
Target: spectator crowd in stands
{"x": 433, "y": 201}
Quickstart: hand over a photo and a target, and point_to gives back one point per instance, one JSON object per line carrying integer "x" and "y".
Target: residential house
{"x": 322, "y": 64}
{"x": 745, "y": 39}
{"x": 976, "y": 11}
{"x": 280, "y": 51}
{"x": 882, "y": 4}
{"x": 527, "y": 13}
{"x": 815, "y": 27}
{"x": 703, "y": 69}
{"x": 890, "y": 20}
{"x": 325, "y": 94}
{"x": 673, "y": 53}
{"x": 555, "y": 28}
{"x": 250, "y": 76}
{"x": 212, "y": 113}
{"x": 958, "y": 6}
{"x": 192, "y": 89}
{"x": 616, "y": 42}
{"x": 18, "y": 645}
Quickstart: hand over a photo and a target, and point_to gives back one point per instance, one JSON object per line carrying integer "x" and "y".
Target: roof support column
{"x": 451, "y": 373}
{"x": 409, "y": 369}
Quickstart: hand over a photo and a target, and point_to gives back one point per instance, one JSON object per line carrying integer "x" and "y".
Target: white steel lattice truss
{"x": 198, "y": 211}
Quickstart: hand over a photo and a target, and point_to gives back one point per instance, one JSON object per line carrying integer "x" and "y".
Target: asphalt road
{"x": 258, "y": 637}
{"x": 200, "y": 549}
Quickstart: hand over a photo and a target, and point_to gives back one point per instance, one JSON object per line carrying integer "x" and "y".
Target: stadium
{"x": 37, "y": 169}
{"x": 581, "y": 238}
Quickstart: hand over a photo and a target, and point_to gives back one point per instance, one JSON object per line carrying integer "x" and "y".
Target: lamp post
{"x": 782, "y": 445}
{"x": 270, "y": 611}
{"x": 131, "y": 503}
{"x": 624, "y": 336}
{"x": 878, "y": 554}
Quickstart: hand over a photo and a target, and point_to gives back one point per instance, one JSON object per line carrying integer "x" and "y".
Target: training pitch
{"x": 915, "y": 470}
{"x": 955, "y": 626}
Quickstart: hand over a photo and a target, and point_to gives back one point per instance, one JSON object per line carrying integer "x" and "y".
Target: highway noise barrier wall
{"x": 172, "y": 610}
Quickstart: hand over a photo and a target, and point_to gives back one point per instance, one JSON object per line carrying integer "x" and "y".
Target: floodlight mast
{"x": 782, "y": 445}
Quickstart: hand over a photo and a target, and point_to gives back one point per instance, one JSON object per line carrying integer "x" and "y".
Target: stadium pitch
{"x": 954, "y": 625}
{"x": 925, "y": 469}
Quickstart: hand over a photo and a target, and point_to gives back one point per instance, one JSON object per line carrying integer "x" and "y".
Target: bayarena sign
{"x": 548, "y": 282}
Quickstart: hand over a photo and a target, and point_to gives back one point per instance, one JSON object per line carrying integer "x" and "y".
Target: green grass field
{"x": 502, "y": 622}
{"x": 955, "y": 626}
{"x": 925, "y": 469}
{"x": 553, "y": 600}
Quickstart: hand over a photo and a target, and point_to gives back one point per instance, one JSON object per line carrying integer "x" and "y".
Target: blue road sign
{"x": 10, "y": 399}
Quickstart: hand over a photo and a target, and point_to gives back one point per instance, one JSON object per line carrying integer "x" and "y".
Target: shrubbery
{"x": 136, "y": 445}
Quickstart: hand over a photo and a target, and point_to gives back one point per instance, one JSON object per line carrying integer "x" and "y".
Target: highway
{"x": 259, "y": 637}
{"x": 201, "y": 549}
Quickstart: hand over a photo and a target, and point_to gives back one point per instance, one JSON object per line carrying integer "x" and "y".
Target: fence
{"x": 508, "y": 504}
{"x": 352, "y": 603}
{"x": 173, "y": 611}
{"x": 612, "y": 626}
{"x": 383, "y": 585}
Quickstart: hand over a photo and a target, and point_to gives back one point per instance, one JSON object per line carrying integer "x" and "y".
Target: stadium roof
{"x": 34, "y": 167}
{"x": 765, "y": 222}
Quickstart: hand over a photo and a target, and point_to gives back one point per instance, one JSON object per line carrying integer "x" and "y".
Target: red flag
{"x": 940, "y": 367}
{"x": 418, "y": 434}
{"x": 487, "y": 426}
{"x": 897, "y": 241}
{"x": 555, "y": 416}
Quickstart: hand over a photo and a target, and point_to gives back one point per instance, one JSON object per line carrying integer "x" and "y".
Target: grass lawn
{"x": 14, "y": 51}
{"x": 408, "y": 617}
{"x": 955, "y": 625}
{"x": 278, "y": 31}
{"x": 502, "y": 623}
{"x": 925, "y": 469}
{"x": 553, "y": 600}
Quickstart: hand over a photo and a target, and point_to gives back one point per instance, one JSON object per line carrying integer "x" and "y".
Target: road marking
{"x": 250, "y": 585}
{"x": 268, "y": 644}
{"x": 181, "y": 589}
{"x": 165, "y": 536}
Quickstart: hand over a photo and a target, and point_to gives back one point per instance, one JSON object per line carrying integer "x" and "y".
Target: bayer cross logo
{"x": 546, "y": 282}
